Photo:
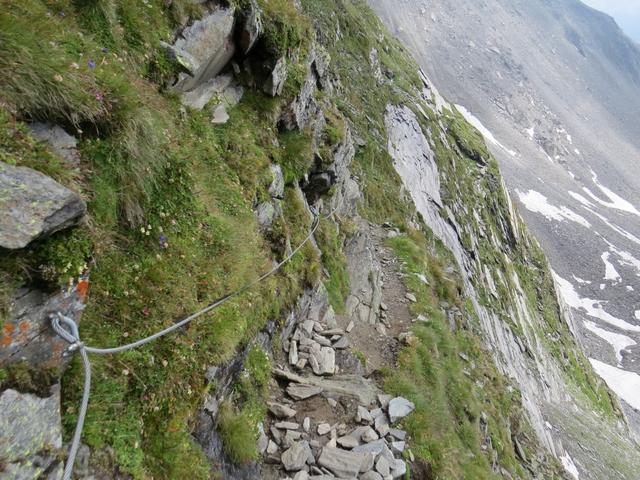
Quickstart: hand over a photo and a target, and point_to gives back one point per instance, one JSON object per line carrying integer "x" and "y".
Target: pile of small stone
{"x": 313, "y": 344}
{"x": 369, "y": 450}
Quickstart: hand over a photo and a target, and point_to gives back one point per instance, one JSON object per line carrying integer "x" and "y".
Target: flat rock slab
{"x": 302, "y": 392}
{"x": 355, "y": 386}
{"x": 33, "y": 205}
{"x": 30, "y": 434}
{"x": 342, "y": 463}
{"x": 399, "y": 408}
{"x": 294, "y": 458}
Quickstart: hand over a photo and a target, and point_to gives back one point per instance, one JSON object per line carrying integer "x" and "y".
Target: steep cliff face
{"x": 554, "y": 85}
{"x": 413, "y": 327}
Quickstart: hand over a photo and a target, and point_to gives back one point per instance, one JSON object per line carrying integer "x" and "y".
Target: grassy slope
{"x": 450, "y": 396}
{"x": 149, "y": 171}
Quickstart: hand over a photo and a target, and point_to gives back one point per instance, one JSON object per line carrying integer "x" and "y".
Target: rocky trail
{"x": 328, "y": 418}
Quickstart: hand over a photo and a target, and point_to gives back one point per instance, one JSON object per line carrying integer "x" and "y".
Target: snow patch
{"x": 486, "y": 133}
{"x": 569, "y": 466}
{"x": 625, "y": 258}
{"x": 615, "y": 228}
{"x": 593, "y": 308}
{"x": 538, "y": 203}
{"x": 610, "y": 272}
{"x": 617, "y": 341}
{"x": 625, "y": 384}
{"x": 615, "y": 201}
{"x": 531, "y": 132}
{"x": 580, "y": 198}
{"x": 581, "y": 281}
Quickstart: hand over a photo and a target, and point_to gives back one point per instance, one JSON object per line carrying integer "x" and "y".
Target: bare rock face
{"x": 33, "y": 205}
{"x": 275, "y": 82}
{"x": 204, "y": 48}
{"x": 31, "y": 435}
{"x": 27, "y": 335}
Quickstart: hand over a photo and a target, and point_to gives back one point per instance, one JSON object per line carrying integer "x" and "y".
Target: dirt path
{"x": 379, "y": 344}
{"x": 331, "y": 410}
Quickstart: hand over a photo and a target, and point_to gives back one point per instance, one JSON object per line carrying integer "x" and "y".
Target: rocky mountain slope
{"x": 555, "y": 86}
{"x": 157, "y": 156}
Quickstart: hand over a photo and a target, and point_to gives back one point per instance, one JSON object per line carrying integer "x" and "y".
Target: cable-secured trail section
{"x": 67, "y": 329}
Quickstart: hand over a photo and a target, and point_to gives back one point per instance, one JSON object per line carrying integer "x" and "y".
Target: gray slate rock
{"x": 275, "y": 83}
{"x": 33, "y": 205}
{"x": 295, "y": 458}
{"x": 59, "y": 141}
{"x": 302, "y": 392}
{"x": 251, "y": 29}
{"x": 341, "y": 463}
{"x": 281, "y": 411}
{"x": 31, "y": 433}
{"x": 276, "y": 189}
{"x": 399, "y": 408}
{"x": 204, "y": 48}
{"x": 363, "y": 416}
{"x": 371, "y": 476}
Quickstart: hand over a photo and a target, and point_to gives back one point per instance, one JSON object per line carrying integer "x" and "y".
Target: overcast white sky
{"x": 626, "y": 13}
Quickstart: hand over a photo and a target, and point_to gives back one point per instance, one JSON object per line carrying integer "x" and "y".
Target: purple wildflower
{"x": 61, "y": 13}
{"x": 162, "y": 239}
{"x": 105, "y": 50}
{"x": 91, "y": 64}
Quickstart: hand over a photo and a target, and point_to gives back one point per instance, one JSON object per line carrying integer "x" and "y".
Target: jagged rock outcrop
{"x": 278, "y": 75}
{"x": 521, "y": 356}
{"x": 204, "y": 48}
{"x": 302, "y": 109}
{"x": 33, "y": 205}
{"x": 251, "y": 27}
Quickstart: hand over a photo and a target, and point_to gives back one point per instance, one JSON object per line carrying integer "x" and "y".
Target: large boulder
{"x": 30, "y": 435}
{"x": 204, "y": 48}
{"x": 33, "y": 205}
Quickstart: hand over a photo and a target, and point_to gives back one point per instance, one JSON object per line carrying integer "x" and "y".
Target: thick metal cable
{"x": 67, "y": 328}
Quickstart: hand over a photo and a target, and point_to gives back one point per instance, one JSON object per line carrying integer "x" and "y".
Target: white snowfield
{"x": 615, "y": 228}
{"x": 610, "y": 272}
{"x": 625, "y": 384}
{"x": 486, "y": 133}
{"x": 615, "y": 201}
{"x": 538, "y": 203}
{"x": 569, "y": 466}
{"x": 619, "y": 342}
{"x": 593, "y": 308}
